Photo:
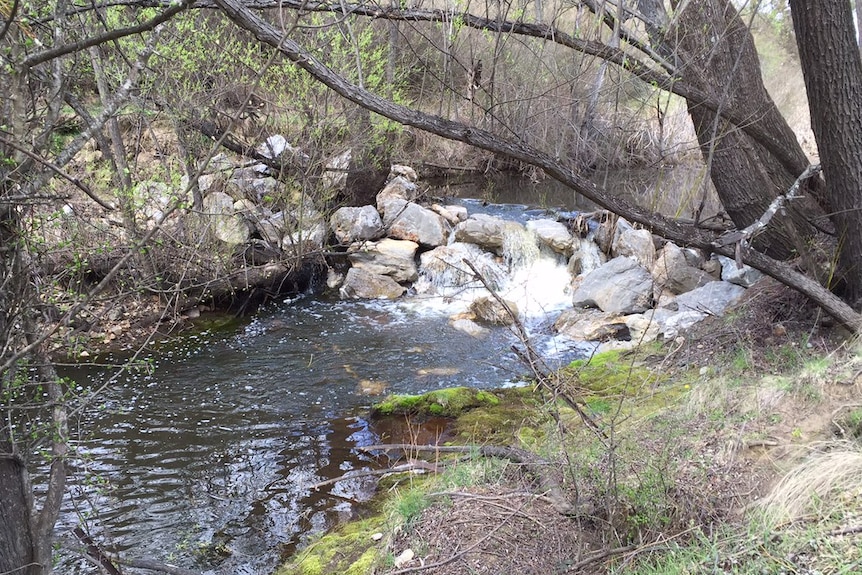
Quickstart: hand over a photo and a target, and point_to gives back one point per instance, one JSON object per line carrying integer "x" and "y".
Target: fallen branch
{"x": 412, "y": 465}
{"x": 742, "y": 238}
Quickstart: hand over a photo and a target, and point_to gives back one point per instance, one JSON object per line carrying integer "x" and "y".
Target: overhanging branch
{"x": 667, "y": 227}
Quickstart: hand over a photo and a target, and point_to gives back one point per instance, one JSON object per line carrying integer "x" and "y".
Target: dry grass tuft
{"x": 819, "y": 487}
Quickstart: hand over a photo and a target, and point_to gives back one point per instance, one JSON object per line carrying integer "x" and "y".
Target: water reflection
{"x": 209, "y": 460}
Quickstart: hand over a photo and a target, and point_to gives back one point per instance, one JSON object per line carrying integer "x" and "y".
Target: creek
{"x": 207, "y": 456}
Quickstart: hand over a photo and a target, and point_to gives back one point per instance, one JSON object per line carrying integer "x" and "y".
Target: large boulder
{"x": 483, "y": 230}
{"x": 362, "y": 284}
{"x": 408, "y": 221}
{"x": 673, "y": 273}
{"x": 553, "y": 234}
{"x": 634, "y": 243}
{"x": 622, "y": 285}
{"x": 388, "y": 257}
{"x": 356, "y": 224}
{"x": 226, "y": 225}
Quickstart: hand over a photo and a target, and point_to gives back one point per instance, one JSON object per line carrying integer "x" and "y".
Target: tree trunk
{"x": 16, "y": 544}
{"x": 17, "y": 549}
{"x": 717, "y": 56}
{"x": 832, "y": 68}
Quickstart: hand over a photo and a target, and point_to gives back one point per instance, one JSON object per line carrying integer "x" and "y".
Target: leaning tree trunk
{"x": 832, "y": 68}
{"x": 716, "y": 54}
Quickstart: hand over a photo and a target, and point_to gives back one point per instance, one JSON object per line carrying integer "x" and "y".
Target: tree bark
{"x": 718, "y": 57}
{"x": 832, "y": 68}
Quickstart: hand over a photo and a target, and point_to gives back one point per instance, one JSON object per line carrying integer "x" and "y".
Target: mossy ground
{"x": 350, "y": 549}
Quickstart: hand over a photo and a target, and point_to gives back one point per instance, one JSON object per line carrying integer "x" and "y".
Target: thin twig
{"x": 413, "y": 465}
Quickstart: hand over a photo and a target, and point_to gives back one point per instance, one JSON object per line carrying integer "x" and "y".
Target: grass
{"x": 811, "y": 522}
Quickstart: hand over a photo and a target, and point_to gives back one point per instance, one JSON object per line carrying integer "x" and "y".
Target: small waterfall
{"x": 520, "y": 248}
{"x": 443, "y": 271}
{"x": 589, "y": 255}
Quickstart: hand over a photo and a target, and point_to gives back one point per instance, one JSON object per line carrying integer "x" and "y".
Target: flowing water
{"x": 208, "y": 456}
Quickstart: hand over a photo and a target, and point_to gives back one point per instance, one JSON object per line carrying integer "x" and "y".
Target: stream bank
{"x": 698, "y": 436}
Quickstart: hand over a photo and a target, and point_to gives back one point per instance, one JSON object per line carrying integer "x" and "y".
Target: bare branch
{"x": 109, "y": 36}
{"x": 743, "y": 237}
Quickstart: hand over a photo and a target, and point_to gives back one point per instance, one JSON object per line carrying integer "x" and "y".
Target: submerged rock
{"x": 443, "y": 269}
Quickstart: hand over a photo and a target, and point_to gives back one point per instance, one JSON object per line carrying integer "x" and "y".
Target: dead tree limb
{"x": 742, "y": 238}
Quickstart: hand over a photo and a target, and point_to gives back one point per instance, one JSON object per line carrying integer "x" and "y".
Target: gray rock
{"x": 335, "y": 175}
{"x": 483, "y": 230}
{"x": 712, "y": 298}
{"x": 356, "y": 224}
{"x": 397, "y": 189}
{"x": 553, "y": 234}
{"x": 673, "y": 273}
{"x": 408, "y": 221}
{"x": 622, "y": 285}
{"x": 226, "y": 225}
{"x": 406, "y": 172}
{"x": 388, "y": 257}
{"x": 592, "y": 325}
{"x": 730, "y": 272}
{"x": 361, "y": 284}
{"x": 634, "y": 243}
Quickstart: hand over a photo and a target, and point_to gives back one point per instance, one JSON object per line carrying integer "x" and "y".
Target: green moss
{"x": 610, "y": 373}
{"x": 349, "y": 549}
{"x": 449, "y": 402}
{"x": 502, "y": 417}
